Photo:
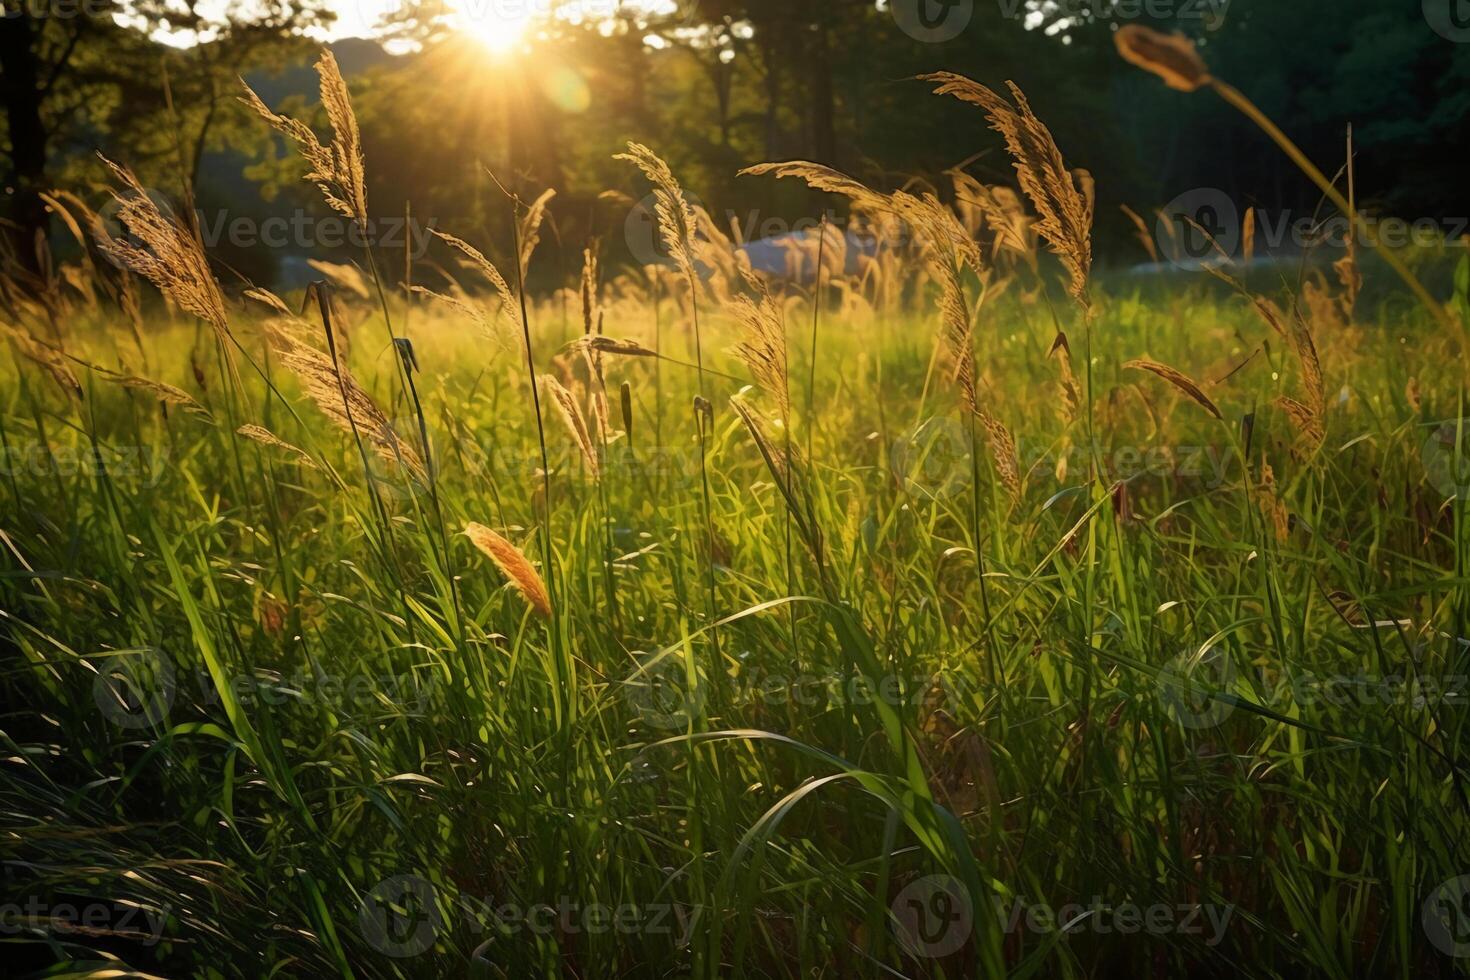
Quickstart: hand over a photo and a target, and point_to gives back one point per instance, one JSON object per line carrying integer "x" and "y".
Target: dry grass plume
{"x": 513, "y": 564}
{"x": 571, "y": 415}
{"x": 1063, "y": 198}
{"x": 763, "y": 348}
{"x": 676, "y": 221}
{"x": 337, "y": 169}
{"x": 1179, "y": 380}
{"x": 169, "y": 255}
{"x": 344, "y": 402}
{"x": 1172, "y": 57}
{"x": 264, "y": 436}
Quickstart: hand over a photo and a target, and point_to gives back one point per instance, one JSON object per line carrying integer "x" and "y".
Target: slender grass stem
{"x": 1238, "y": 99}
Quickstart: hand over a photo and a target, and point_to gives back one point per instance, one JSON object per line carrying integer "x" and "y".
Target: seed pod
{"x": 514, "y": 564}
{"x": 1170, "y": 56}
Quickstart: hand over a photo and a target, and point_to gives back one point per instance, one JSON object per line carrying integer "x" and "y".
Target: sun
{"x": 501, "y": 27}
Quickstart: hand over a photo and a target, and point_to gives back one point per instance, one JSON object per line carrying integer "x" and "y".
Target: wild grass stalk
{"x": 1174, "y": 58}
{"x": 781, "y": 825}
{"x": 676, "y": 223}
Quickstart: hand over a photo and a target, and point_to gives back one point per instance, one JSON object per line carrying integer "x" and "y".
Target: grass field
{"x": 860, "y": 639}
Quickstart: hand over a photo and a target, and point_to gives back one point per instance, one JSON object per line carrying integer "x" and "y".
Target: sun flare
{"x": 499, "y": 27}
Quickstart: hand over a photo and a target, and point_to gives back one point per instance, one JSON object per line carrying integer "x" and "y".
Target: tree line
{"x": 715, "y": 86}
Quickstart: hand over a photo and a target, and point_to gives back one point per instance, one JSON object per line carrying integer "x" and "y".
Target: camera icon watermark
{"x": 1205, "y": 227}
{"x": 1446, "y": 458}
{"x": 932, "y": 21}
{"x": 399, "y": 469}
{"x": 643, "y": 235}
{"x": 666, "y": 692}
{"x": 400, "y": 916}
{"x": 1197, "y": 226}
{"x": 933, "y": 459}
{"x": 134, "y": 689}
{"x": 110, "y": 223}
{"x": 1446, "y": 917}
{"x": 1450, "y": 19}
{"x": 933, "y": 917}
{"x": 1188, "y": 687}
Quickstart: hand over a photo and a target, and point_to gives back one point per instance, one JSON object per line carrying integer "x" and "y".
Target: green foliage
{"x": 1173, "y": 701}
{"x": 1462, "y": 289}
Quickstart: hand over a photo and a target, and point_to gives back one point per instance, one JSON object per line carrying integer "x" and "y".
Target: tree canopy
{"x": 719, "y": 85}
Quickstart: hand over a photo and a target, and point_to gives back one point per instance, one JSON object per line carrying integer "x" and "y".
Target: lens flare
{"x": 500, "y": 25}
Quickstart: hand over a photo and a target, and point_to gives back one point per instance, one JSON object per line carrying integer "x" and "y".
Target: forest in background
{"x": 715, "y": 86}
{"x": 955, "y": 607}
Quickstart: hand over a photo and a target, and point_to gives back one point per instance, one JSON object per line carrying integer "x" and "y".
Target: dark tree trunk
{"x": 635, "y": 71}
{"x": 773, "y": 96}
{"x": 822, "y": 96}
{"x": 723, "y": 76}
{"x": 21, "y": 90}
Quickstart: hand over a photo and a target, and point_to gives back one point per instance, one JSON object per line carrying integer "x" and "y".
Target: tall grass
{"x": 1210, "y": 668}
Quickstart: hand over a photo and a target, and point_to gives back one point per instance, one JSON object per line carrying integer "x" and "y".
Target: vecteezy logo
{"x": 400, "y": 917}
{"x": 933, "y": 917}
{"x": 665, "y": 691}
{"x": 933, "y": 459}
{"x": 1446, "y": 917}
{"x": 111, "y": 217}
{"x": 1446, "y": 457}
{"x": 1188, "y": 686}
{"x": 1198, "y": 225}
{"x": 135, "y": 688}
{"x": 1450, "y": 19}
{"x": 933, "y": 21}
{"x": 646, "y": 241}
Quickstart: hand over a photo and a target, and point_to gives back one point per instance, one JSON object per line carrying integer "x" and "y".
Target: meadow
{"x": 943, "y": 610}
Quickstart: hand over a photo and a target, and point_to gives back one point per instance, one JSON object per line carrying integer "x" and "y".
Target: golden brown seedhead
{"x": 1170, "y": 56}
